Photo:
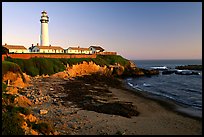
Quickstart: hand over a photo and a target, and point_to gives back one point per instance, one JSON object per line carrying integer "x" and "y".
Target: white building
{"x": 44, "y": 37}
{"x": 15, "y": 48}
{"x": 47, "y": 49}
{"x": 78, "y": 50}
{"x": 96, "y": 49}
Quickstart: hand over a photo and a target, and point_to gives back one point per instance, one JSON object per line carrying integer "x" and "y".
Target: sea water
{"x": 184, "y": 90}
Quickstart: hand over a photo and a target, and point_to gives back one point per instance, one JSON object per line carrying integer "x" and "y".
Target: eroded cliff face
{"x": 85, "y": 68}
{"x": 16, "y": 79}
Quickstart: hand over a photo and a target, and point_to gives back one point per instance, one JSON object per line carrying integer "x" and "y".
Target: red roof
{"x": 14, "y": 47}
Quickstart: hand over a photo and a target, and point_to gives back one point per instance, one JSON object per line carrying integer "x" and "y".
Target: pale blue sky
{"x": 136, "y": 30}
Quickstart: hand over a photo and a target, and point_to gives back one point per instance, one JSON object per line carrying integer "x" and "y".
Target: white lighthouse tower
{"x": 44, "y": 37}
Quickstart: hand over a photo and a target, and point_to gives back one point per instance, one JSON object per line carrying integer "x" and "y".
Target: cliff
{"x": 107, "y": 64}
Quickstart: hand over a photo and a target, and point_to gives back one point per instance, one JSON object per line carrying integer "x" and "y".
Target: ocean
{"x": 184, "y": 90}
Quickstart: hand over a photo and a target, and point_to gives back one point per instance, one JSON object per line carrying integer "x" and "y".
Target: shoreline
{"x": 167, "y": 104}
{"x": 173, "y": 104}
{"x": 151, "y": 111}
{"x": 104, "y": 106}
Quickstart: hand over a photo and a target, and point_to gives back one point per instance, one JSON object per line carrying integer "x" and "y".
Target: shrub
{"x": 11, "y": 124}
{"x": 110, "y": 60}
{"x": 4, "y": 50}
{"x": 42, "y": 127}
{"x": 4, "y": 86}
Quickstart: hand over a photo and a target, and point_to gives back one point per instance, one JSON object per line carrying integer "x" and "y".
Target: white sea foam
{"x": 130, "y": 84}
{"x": 129, "y": 79}
{"x": 146, "y": 85}
{"x": 163, "y": 67}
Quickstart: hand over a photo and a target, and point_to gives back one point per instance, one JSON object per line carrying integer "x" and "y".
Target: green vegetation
{"x": 42, "y": 127}
{"x": 11, "y": 123}
{"x": 39, "y": 66}
{"x": 110, "y": 60}
{"x": 4, "y": 50}
{"x": 4, "y": 86}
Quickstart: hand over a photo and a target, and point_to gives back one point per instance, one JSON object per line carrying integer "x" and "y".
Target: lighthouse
{"x": 44, "y": 37}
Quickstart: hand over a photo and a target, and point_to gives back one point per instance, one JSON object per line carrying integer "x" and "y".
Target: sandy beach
{"x": 82, "y": 106}
{"x": 153, "y": 119}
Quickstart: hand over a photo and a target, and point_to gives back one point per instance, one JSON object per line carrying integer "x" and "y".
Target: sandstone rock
{"x": 24, "y": 125}
{"x": 36, "y": 101}
{"x": 36, "y": 77}
{"x": 63, "y": 74}
{"x": 12, "y": 90}
{"x": 15, "y": 79}
{"x": 31, "y": 118}
{"x": 33, "y": 132}
{"x": 51, "y": 89}
{"x": 43, "y": 112}
{"x": 10, "y": 76}
{"x": 27, "y": 77}
{"x": 132, "y": 64}
{"x": 40, "y": 98}
{"x": 39, "y": 92}
{"x": 83, "y": 69}
{"x": 46, "y": 98}
{"x": 56, "y": 133}
{"x": 22, "y": 101}
{"x": 28, "y": 95}
{"x": 45, "y": 76}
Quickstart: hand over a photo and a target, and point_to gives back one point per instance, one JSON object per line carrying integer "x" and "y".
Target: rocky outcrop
{"x": 85, "y": 68}
{"x": 16, "y": 79}
{"x": 22, "y": 101}
{"x": 132, "y": 64}
{"x": 190, "y": 67}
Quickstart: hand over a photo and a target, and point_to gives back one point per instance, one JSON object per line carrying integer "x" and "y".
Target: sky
{"x": 135, "y": 30}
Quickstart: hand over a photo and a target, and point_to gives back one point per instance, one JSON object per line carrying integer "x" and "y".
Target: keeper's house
{"x": 15, "y": 48}
{"x": 46, "y": 49}
{"x": 96, "y": 49}
{"x": 78, "y": 50}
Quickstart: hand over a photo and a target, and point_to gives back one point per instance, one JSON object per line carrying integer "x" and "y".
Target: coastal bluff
{"x": 70, "y": 97}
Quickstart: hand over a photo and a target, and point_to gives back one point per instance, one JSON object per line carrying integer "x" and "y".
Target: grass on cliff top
{"x": 39, "y": 66}
{"x": 110, "y": 60}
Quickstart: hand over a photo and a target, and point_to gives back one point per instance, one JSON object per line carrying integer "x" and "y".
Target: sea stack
{"x": 44, "y": 37}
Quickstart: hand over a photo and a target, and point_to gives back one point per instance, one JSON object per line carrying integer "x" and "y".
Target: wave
{"x": 146, "y": 85}
{"x": 134, "y": 86}
{"x": 129, "y": 79}
{"x": 191, "y": 90}
{"x": 130, "y": 84}
{"x": 160, "y": 68}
